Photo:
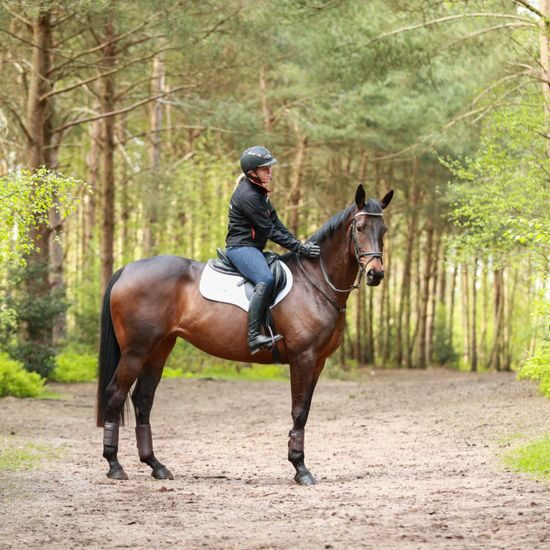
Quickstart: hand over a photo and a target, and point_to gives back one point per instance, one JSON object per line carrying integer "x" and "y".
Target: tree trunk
{"x": 465, "y": 314}
{"x": 37, "y": 282}
{"x": 107, "y": 158}
{"x": 151, "y": 241}
{"x": 89, "y": 200}
{"x": 545, "y": 66}
{"x": 425, "y": 297}
{"x": 484, "y": 355}
{"x": 433, "y": 298}
{"x": 359, "y": 315}
{"x": 473, "y": 332}
{"x": 296, "y": 191}
{"x": 509, "y": 313}
{"x": 498, "y": 307}
{"x": 404, "y": 312}
{"x": 451, "y": 323}
{"x": 386, "y": 316}
{"x": 266, "y": 110}
{"x": 370, "y": 351}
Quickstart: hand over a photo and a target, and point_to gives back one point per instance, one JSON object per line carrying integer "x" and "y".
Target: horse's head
{"x": 367, "y": 235}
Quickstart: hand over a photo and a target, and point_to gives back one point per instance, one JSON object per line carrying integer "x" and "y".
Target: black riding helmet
{"x": 254, "y": 157}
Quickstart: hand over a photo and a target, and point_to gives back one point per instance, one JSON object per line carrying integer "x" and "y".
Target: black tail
{"x": 109, "y": 353}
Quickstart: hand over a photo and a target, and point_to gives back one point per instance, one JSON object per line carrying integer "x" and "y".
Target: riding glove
{"x": 310, "y": 249}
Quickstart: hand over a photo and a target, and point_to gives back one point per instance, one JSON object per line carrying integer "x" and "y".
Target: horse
{"x": 149, "y": 303}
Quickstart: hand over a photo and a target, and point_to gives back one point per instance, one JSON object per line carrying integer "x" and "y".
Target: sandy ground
{"x": 402, "y": 459}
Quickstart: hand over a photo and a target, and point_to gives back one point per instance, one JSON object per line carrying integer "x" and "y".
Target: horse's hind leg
{"x": 303, "y": 379}
{"x": 142, "y": 398}
{"x": 117, "y": 391}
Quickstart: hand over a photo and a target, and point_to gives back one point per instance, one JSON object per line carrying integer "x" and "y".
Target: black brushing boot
{"x": 256, "y": 313}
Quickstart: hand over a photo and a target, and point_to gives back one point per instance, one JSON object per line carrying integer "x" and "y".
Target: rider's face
{"x": 264, "y": 173}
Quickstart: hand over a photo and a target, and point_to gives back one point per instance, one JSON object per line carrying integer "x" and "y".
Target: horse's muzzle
{"x": 374, "y": 277}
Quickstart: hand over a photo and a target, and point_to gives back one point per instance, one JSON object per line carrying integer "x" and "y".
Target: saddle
{"x": 223, "y": 265}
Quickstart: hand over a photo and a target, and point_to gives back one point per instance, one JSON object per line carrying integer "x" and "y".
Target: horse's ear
{"x": 360, "y": 197}
{"x": 386, "y": 200}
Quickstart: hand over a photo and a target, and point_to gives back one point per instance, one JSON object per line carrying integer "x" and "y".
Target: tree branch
{"x": 450, "y": 18}
{"x": 20, "y": 38}
{"x": 69, "y": 16}
{"x": 219, "y": 24}
{"x": 117, "y": 112}
{"x": 18, "y": 16}
{"x": 17, "y": 117}
{"x": 99, "y": 47}
{"x": 101, "y": 75}
{"x": 177, "y": 127}
{"x": 531, "y": 8}
{"x": 490, "y": 29}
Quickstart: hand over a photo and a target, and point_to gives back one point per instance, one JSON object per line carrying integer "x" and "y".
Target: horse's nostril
{"x": 373, "y": 275}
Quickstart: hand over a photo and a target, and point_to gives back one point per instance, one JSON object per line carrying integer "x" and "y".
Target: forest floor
{"x": 403, "y": 459}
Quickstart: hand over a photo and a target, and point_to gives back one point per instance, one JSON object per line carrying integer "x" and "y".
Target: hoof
{"x": 117, "y": 473}
{"x": 162, "y": 473}
{"x": 304, "y": 479}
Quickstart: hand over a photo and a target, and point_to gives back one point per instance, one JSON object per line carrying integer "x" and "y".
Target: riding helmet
{"x": 256, "y": 156}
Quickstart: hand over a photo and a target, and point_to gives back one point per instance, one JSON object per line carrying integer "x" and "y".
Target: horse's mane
{"x": 329, "y": 228}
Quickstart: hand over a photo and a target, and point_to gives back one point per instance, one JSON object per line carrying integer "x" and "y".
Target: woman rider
{"x": 252, "y": 221}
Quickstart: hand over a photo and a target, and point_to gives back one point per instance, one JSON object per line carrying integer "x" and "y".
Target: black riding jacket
{"x": 253, "y": 220}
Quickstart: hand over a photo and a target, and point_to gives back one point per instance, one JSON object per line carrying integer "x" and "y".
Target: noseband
{"x": 358, "y": 255}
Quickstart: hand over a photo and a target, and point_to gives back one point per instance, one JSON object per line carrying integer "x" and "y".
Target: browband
{"x": 368, "y": 214}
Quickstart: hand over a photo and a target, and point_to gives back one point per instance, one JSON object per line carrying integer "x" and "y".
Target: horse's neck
{"x": 340, "y": 266}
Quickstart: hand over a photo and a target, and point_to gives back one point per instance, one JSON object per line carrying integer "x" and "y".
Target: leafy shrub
{"x": 75, "y": 367}
{"x": 34, "y": 317}
{"x": 538, "y": 368}
{"x": 16, "y": 381}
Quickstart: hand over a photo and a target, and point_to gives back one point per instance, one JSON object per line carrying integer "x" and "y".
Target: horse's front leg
{"x": 303, "y": 378}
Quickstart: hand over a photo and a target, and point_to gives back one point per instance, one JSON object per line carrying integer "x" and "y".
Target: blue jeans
{"x": 251, "y": 263}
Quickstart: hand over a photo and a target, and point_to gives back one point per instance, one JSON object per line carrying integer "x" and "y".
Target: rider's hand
{"x": 310, "y": 249}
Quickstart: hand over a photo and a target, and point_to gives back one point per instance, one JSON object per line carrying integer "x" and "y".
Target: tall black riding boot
{"x": 256, "y": 314}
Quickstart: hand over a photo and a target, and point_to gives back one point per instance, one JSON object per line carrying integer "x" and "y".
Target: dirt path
{"x": 403, "y": 460}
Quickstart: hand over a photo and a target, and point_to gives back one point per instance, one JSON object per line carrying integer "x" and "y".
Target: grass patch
{"x": 25, "y": 456}
{"x": 532, "y": 458}
{"x": 230, "y": 372}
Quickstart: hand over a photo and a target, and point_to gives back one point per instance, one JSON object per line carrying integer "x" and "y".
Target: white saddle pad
{"x": 221, "y": 287}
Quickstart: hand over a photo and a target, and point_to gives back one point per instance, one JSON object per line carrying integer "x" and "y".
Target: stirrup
{"x": 259, "y": 342}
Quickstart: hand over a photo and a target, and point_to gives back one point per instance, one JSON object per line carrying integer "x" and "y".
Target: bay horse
{"x": 151, "y": 302}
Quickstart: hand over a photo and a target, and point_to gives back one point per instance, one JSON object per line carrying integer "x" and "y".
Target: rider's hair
{"x": 239, "y": 179}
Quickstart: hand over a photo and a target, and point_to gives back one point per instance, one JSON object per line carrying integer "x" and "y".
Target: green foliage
{"x": 533, "y": 458}
{"x": 72, "y": 366}
{"x": 25, "y": 200}
{"x": 501, "y": 193}
{"x": 16, "y": 381}
{"x": 537, "y": 368}
{"x": 34, "y": 316}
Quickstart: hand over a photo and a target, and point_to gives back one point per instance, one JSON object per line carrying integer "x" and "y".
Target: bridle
{"x": 358, "y": 255}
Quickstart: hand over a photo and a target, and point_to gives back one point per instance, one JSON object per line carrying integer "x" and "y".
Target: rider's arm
{"x": 282, "y": 236}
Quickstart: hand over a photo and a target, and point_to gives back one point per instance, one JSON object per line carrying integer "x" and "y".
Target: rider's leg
{"x": 252, "y": 264}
